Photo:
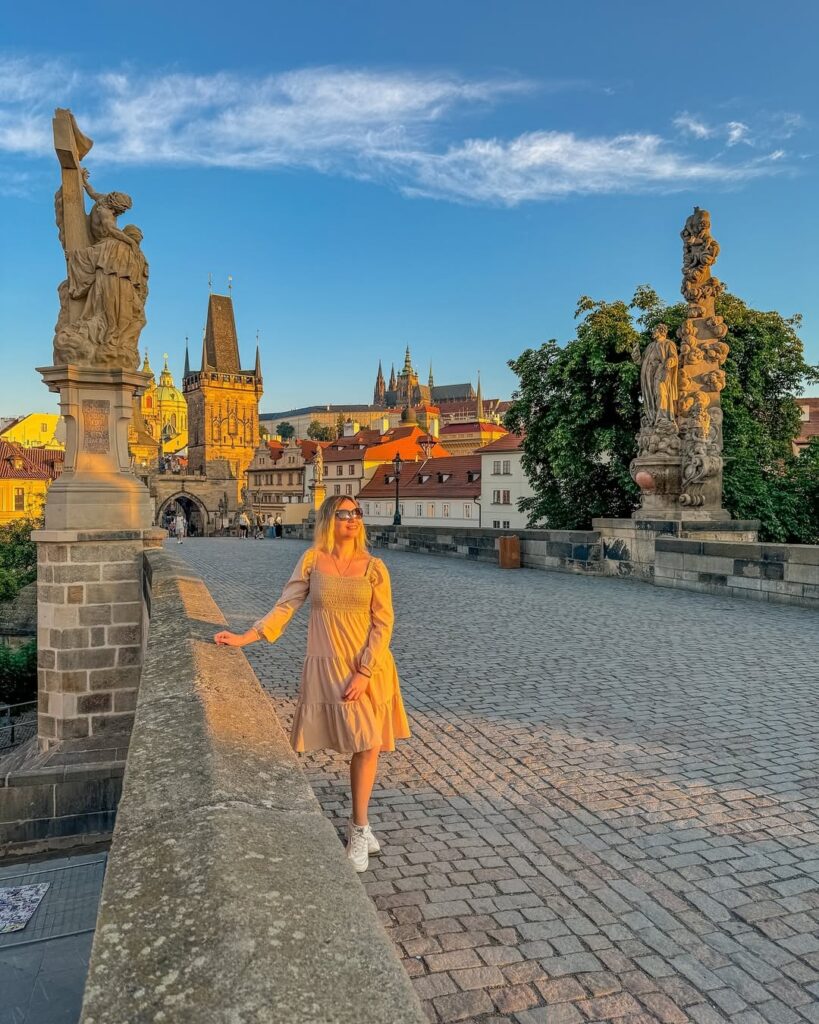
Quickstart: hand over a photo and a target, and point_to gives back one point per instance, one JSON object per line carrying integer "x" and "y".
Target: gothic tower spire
{"x": 479, "y": 400}
{"x": 380, "y": 390}
{"x": 187, "y": 371}
{"x": 431, "y": 382}
{"x": 393, "y": 382}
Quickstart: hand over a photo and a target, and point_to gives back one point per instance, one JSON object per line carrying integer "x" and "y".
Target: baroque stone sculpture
{"x": 679, "y": 461}
{"x": 102, "y": 299}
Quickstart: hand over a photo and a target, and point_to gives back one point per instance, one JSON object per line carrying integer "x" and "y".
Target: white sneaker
{"x": 373, "y": 846}
{"x": 357, "y": 847}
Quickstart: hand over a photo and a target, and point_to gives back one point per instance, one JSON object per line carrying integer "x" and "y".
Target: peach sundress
{"x": 349, "y": 630}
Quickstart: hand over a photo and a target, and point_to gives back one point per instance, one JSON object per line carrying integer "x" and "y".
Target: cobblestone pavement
{"x": 609, "y": 809}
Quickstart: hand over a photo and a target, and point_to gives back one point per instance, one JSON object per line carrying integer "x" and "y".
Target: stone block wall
{"x": 90, "y": 631}
{"x": 628, "y": 545}
{"x": 781, "y": 573}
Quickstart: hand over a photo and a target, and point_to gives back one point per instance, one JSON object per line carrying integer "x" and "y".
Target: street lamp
{"x": 397, "y": 462}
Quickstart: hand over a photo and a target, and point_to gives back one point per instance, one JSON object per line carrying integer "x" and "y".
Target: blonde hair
{"x": 324, "y": 535}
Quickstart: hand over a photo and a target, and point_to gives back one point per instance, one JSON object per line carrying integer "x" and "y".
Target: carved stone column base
{"x": 658, "y": 477}
{"x": 98, "y": 489}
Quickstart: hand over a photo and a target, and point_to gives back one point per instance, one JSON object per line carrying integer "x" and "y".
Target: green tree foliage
{"x": 340, "y": 425}
{"x": 317, "y": 432}
{"x": 579, "y": 406}
{"x": 18, "y": 556}
{"x": 18, "y": 673}
{"x": 285, "y": 430}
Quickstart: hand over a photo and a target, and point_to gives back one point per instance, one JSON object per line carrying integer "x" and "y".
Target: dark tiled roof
{"x": 221, "y": 342}
{"x": 452, "y": 392}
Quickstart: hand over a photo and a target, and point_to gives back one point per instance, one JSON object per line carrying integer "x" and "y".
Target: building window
{"x": 19, "y": 499}
{"x": 506, "y": 498}
{"x": 348, "y": 488}
{"x": 431, "y": 510}
{"x": 467, "y": 511}
{"x": 366, "y": 508}
{"x": 506, "y": 524}
{"x": 496, "y": 524}
{"x": 419, "y": 510}
{"x": 507, "y": 467}
{"x": 336, "y": 488}
{"x": 378, "y": 508}
{"x": 290, "y": 478}
{"x": 278, "y": 478}
{"x": 339, "y": 470}
{"x": 496, "y": 497}
{"x": 351, "y": 470}
{"x": 496, "y": 467}
{"x": 445, "y": 510}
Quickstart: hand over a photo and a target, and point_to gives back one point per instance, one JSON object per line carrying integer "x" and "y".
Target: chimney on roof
{"x": 384, "y": 425}
{"x": 351, "y": 428}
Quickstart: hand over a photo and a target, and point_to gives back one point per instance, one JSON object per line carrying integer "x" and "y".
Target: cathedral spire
{"x": 380, "y": 390}
{"x": 479, "y": 400}
{"x": 431, "y": 382}
{"x": 407, "y": 361}
{"x": 258, "y": 370}
{"x": 393, "y": 382}
{"x": 146, "y": 366}
{"x": 187, "y": 371}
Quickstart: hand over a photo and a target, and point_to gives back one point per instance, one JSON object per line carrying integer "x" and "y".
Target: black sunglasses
{"x": 349, "y": 513}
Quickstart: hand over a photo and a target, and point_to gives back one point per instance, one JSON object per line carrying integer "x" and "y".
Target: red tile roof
{"x": 473, "y": 427}
{"x": 16, "y": 464}
{"x": 507, "y": 443}
{"x": 453, "y": 476}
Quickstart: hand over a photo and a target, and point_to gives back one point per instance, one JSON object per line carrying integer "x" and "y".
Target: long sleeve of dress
{"x": 292, "y": 598}
{"x": 382, "y": 620}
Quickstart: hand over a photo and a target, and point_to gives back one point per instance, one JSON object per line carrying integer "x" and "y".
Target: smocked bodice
{"x": 350, "y": 594}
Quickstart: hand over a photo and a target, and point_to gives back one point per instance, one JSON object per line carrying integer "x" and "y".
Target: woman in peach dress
{"x": 350, "y": 698}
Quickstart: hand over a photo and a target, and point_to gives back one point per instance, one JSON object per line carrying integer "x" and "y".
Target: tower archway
{"x": 195, "y": 513}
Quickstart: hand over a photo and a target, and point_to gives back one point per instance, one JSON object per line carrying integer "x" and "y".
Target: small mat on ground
{"x": 18, "y": 903}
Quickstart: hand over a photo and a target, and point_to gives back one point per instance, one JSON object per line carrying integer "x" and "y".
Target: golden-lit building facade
{"x": 164, "y": 410}
{"x": 25, "y": 475}
{"x": 222, "y": 399}
{"x": 34, "y": 430}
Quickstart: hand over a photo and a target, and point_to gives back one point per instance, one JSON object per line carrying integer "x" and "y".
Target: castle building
{"x": 222, "y": 400}
{"x": 164, "y": 410}
{"x": 405, "y": 388}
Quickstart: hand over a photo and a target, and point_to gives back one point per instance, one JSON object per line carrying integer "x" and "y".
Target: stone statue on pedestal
{"x": 95, "y": 370}
{"x": 679, "y": 462}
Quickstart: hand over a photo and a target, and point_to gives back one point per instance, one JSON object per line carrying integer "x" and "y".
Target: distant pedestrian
{"x": 279, "y": 526}
{"x": 350, "y": 698}
{"x": 179, "y": 528}
{"x": 244, "y": 523}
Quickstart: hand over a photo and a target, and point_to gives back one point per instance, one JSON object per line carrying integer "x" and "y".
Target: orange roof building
{"x": 443, "y": 491}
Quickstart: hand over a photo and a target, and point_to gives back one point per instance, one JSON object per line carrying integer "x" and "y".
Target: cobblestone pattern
{"x": 609, "y": 807}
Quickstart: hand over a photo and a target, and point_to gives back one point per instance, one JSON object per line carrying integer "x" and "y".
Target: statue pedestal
{"x": 98, "y": 489}
{"x": 319, "y": 493}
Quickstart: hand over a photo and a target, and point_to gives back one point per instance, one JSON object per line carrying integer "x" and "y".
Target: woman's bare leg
{"x": 363, "y": 768}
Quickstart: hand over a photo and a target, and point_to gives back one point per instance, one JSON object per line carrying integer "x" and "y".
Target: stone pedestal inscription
{"x": 679, "y": 462}
{"x": 95, "y": 415}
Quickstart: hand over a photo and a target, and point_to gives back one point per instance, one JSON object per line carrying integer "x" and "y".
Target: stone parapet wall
{"x": 227, "y": 895}
{"x": 61, "y": 798}
{"x": 781, "y": 573}
{"x": 628, "y": 545}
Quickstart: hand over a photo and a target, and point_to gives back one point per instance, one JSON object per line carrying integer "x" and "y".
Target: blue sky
{"x": 449, "y": 175}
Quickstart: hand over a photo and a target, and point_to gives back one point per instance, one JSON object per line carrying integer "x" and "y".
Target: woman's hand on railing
{"x": 227, "y": 639}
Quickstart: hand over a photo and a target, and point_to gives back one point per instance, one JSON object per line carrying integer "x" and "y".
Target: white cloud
{"x": 737, "y": 132}
{"x": 693, "y": 126}
{"x": 398, "y": 128}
